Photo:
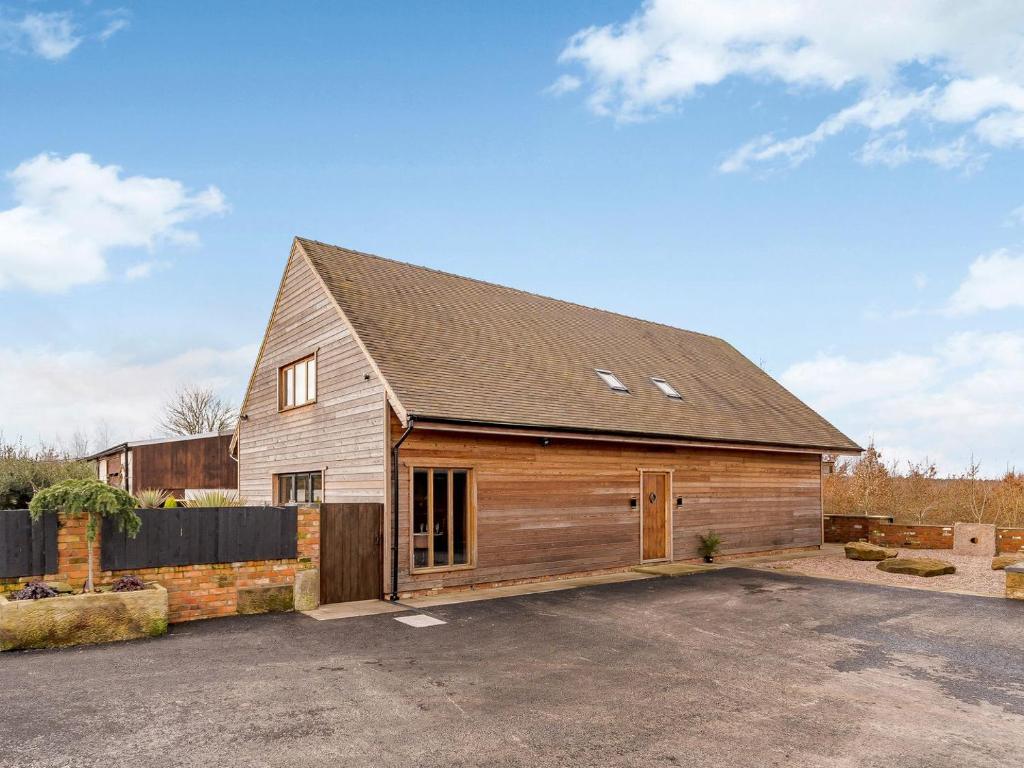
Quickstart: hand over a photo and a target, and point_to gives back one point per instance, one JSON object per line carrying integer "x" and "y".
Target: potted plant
{"x": 710, "y": 544}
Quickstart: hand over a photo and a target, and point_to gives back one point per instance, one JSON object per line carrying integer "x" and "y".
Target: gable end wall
{"x": 342, "y": 434}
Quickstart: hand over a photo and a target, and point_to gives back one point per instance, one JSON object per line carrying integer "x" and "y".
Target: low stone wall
{"x": 880, "y": 530}
{"x": 193, "y": 591}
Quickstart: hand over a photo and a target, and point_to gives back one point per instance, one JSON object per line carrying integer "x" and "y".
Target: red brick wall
{"x": 1009, "y": 541}
{"x": 882, "y": 531}
{"x": 193, "y": 591}
{"x": 913, "y": 536}
{"x": 840, "y": 529}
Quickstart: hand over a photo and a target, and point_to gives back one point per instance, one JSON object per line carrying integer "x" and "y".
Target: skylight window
{"x": 667, "y": 388}
{"x": 612, "y": 380}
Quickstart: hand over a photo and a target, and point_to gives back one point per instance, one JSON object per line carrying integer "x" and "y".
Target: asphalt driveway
{"x": 729, "y": 668}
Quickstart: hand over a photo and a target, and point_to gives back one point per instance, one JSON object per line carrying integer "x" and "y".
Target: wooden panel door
{"x": 654, "y": 498}
{"x": 351, "y": 557}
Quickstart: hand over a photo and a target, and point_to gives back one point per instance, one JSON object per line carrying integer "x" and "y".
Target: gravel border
{"x": 974, "y": 575}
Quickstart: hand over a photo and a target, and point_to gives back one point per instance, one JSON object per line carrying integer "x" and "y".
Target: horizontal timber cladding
{"x": 565, "y": 507}
{"x": 200, "y": 535}
{"x": 342, "y": 433}
{"x": 27, "y": 547}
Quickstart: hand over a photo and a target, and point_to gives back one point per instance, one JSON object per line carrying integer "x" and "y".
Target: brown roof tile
{"x": 456, "y": 348}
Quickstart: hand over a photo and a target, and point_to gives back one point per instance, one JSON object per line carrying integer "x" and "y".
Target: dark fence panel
{"x": 27, "y": 547}
{"x": 200, "y": 535}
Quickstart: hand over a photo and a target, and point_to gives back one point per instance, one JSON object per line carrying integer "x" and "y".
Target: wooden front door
{"x": 654, "y": 506}
{"x": 351, "y": 557}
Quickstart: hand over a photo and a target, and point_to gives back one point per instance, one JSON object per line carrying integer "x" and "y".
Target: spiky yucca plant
{"x": 215, "y": 499}
{"x": 151, "y": 498}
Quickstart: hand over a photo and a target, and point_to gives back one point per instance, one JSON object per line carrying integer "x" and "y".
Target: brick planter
{"x": 98, "y": 617}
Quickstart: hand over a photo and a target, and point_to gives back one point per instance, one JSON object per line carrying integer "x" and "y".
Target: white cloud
{"x": 59, "y": 391}
{"x": 963, "y": 397}
{"x": 72, "y": 212}
{"x": 143, "y": 269}
{"x": 49, "y": 35}
{"x": 116, "y": 22}
{"x": 54, "y": 35}
{"x": 1016, "y": 216}
{"x": 994, "y": 281}
{"x": 955, "y": 64}
{"x": 563, "y": 84}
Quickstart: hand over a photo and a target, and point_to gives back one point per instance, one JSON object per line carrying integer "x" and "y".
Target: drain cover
{"x": 420, "y": 620}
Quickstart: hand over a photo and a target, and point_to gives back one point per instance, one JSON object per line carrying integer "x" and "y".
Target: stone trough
{"x": 97, "y": 617}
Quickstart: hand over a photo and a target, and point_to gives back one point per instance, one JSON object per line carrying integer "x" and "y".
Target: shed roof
{"x": 120, "y": 447}
{"x": 456, "y": 349}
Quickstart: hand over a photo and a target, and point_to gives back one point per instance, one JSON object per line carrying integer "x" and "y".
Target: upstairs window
{"x": 667, "y": 388}
{"x": 297, "y": 383}
{"x": 613, "y": 381}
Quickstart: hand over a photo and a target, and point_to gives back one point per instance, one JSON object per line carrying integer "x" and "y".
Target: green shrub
{"x": 24, "y": 471}
{"x": 171, "y": 503}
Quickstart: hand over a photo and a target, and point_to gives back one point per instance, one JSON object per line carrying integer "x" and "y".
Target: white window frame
{"x": 287, "y": 382}
{"x": 667, "y": 389}
{"x": 614, "y": 382}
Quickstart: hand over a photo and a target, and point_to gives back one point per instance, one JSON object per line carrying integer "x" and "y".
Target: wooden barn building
{"x": 177, "y": 465}
{"x": 463, "y": 433}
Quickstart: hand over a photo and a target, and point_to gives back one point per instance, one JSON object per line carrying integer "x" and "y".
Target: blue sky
{"x": 161, "y": 158}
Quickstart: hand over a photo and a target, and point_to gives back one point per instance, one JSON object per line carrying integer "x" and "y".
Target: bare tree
{"x": 101, "y": 435}
{"x": 194, "y": 410}
{"x": 975, "y": 490}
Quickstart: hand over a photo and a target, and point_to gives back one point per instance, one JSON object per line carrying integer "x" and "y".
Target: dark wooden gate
{"x": 351, "y": 556}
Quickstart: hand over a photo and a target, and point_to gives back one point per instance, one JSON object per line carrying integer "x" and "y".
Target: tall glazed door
{"x": 654, "y": 506}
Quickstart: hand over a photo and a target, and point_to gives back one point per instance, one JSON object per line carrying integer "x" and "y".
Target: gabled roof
{"x": 455, "y": 349}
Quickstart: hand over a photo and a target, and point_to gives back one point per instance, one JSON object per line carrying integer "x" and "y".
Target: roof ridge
{"x": 516, "y": 290}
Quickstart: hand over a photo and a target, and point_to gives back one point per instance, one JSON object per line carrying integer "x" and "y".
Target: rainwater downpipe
{"x": 394, "y": 509}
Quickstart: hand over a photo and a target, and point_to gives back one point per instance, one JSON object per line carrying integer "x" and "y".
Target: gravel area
{"x": 973, "y": 575}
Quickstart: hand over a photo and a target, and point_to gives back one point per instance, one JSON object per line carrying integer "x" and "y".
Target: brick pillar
{"x": 309, "y": 535}
{"x": 73, "y": 552}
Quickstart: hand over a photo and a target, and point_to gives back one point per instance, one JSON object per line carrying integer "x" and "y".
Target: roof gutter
{"x": 119, "y": 448}
{"x": 394, "y": 508}
{"x": 646, "y": 435}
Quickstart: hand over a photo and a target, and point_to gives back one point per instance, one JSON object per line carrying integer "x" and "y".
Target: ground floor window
{"x": 442, "y": 518}
{"x": 300, "y": 487}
